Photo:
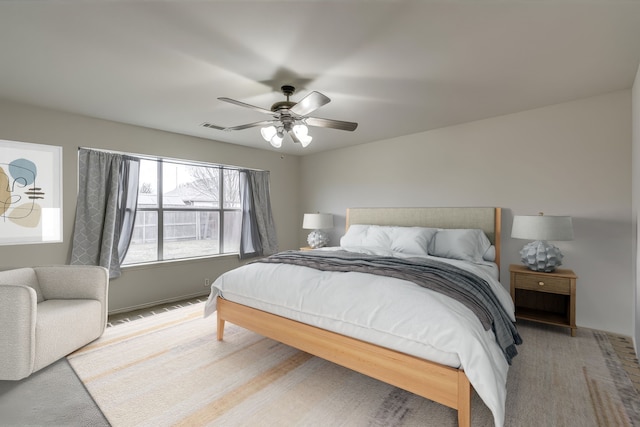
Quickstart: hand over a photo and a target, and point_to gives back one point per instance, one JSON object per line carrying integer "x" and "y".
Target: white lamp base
{"x": 317, "y": 239}
{"x": 541, "y": 256}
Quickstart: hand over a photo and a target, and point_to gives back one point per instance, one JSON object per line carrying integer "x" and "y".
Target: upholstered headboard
{"x": 486, "y": 219}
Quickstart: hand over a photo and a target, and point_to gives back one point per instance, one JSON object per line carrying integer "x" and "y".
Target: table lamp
{"x": 316, "y": 222}
{"x": 540, "y": 255}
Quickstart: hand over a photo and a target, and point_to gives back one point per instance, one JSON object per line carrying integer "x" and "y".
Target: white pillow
{"x": 464, "y": 244}
{"x": 490, "y": 254}
{"x": 363, "y": 235}
{"x": 411, "y": 240}
{"x": 407, "y": 240}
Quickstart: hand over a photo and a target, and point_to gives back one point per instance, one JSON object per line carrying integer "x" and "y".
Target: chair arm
{"x": 17, "y": 331}
{"x": 73, "y": 282}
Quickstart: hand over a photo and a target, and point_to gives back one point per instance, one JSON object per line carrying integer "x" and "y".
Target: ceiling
{"x": 395, "y": 67}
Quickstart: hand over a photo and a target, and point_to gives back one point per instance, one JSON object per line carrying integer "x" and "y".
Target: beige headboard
{"x": 486, "y": 219}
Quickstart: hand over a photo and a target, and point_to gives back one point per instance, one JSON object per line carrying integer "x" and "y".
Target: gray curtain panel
{"x": 106, "y": 208}
{"x": 258, "y": 228}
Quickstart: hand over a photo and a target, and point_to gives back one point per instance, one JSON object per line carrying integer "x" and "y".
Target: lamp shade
{"x": 542, "y": 227}
{"x": 317, "y": 221}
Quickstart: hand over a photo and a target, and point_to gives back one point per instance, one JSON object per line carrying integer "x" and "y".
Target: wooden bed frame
{"x": 442, "y": 384}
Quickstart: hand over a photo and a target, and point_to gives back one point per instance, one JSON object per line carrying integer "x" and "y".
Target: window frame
{"x": 221, "y": 210}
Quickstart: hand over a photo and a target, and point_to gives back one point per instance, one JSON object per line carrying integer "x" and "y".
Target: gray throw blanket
{"x": 463, "y": 286}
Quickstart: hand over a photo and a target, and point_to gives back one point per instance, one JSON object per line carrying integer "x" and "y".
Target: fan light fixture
{"x": 272, "y": 136}
{"x": 288, "y": 117}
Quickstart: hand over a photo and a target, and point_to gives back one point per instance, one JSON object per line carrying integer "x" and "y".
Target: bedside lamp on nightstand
{"x": 541, "y": 255}
{"x": 317, "y": 222}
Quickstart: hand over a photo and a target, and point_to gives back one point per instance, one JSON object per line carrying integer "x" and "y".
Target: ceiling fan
{"x": 290, "y": 117}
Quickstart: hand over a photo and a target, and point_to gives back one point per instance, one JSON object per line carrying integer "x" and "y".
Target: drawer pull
{"x": 541, "y": 283}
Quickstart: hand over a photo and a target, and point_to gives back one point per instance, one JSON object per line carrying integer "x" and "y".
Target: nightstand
{"x": 306, "y": 248}
{"x": 545, "y": 297}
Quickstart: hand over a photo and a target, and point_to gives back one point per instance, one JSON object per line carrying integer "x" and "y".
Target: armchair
{"x": 47, "y": 313}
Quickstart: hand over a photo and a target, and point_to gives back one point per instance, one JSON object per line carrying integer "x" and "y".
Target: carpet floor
{"x": 168, "y": 369}
{"x": 53, "y": 397}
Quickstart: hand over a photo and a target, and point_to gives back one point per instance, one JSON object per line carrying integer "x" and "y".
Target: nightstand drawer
{"x": 542, "y": 283}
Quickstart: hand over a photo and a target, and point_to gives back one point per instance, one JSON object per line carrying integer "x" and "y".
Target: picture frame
{"x": 30, "y": 193}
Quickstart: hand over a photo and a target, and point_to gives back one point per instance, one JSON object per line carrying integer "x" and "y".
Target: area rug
{"x": 169, "y": 370}
{"x": 53, "y": 396}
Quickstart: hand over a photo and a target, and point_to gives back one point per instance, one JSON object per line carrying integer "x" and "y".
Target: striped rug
{"x": 169, "y": 370}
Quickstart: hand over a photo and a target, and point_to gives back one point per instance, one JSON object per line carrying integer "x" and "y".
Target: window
{"x": 185, "y": 210}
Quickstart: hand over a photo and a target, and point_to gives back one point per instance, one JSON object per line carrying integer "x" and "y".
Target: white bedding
{"x": 388, "y": 312}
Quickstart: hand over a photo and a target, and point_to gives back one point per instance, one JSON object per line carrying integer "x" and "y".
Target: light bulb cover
{"x": 300, "y": 130}
{"x": 302, "y": 133}
{"x": 276, "y": 141}
{"x": 268, "y": 133}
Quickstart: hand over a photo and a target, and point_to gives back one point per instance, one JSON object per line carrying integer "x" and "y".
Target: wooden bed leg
{"x": 220, "y": 328}
{"x": 464, "y": 400}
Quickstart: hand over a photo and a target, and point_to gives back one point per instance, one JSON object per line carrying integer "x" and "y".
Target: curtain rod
{"x": 156, "y": 157}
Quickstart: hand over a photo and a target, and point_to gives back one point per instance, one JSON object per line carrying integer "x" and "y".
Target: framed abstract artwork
{"x": 30, "y": 193}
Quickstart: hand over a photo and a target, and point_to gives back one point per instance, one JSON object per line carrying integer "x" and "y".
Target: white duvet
{"x": 389, "y": 312}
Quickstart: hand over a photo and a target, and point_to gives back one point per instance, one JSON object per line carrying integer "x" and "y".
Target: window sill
{"x": 145, "y": 265}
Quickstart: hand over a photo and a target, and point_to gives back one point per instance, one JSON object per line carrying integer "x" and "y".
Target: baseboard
{"x": 159, "y": 302}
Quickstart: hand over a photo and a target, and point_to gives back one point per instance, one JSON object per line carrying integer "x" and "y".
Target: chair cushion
{"x": 63, "y": 326}
{"x": 22, "y": 276}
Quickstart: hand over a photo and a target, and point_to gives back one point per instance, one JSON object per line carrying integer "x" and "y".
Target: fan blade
{"x": 251, "y": 125}
{"x": 293, "y": 136}
{"x": 310, "y": 103}
{"x": 243, "y": 104}
{"x": 329, "y": 123}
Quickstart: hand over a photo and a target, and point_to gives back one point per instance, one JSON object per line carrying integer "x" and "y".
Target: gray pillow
{"x": 464, "y": 244}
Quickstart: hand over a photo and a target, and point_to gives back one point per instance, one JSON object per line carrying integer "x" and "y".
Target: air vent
{"x": 212, "y": 126}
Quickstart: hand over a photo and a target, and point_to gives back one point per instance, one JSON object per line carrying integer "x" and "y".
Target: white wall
{"x": 568, "y": 159}
{"x": 140, "y": 286}
{"x": 635, "y": 95}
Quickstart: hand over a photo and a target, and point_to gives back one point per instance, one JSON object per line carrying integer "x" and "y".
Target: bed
{"x": 435, "y": 369}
